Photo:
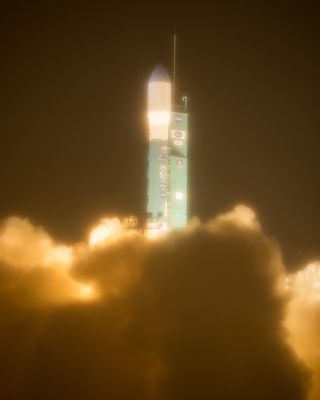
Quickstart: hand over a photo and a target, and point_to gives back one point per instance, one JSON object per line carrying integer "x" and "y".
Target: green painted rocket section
{"x": 178, "y": 171}
{"x": 168, "y": 176}
{"x": 157, "y": 181}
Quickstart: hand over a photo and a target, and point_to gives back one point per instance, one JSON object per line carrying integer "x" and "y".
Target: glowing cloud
{"x": 110, "y": 230}
{"x": 305, "y": 284}
{"x": 107, "y": 229}
{"x": 24, "y": 245}
{"x": 195, "y": 314}
{"x": 241, "y": 216}
{"x": 303, "y": 319}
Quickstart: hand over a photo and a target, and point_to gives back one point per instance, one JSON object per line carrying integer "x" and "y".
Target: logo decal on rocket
{"x": 179, "y": 163}
{"x": 163, "y": 172}
{"x": 178, "y": 134}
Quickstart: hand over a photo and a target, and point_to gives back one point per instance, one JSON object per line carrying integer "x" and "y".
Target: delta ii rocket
{"x": 167, "y": 205}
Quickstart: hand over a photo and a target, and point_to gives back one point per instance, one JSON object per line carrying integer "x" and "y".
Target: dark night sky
{"x": 73, "y": 95}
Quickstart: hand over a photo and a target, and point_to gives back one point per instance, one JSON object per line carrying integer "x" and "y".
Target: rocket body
{"x": 167, "y": 157}
{"x": 159, "y": 104}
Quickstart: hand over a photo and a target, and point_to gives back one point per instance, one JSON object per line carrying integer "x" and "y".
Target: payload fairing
{"x": 167, "y": 205}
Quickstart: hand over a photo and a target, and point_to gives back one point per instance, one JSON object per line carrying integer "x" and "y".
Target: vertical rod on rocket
{"x": 174, "y": 68}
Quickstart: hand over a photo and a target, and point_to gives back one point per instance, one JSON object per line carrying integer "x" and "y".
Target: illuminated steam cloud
{"x": 197, "y": 314}
{"x": 303, "y": 320}
{"x": 34, "y": 268}
{"x": 24, "y": 246}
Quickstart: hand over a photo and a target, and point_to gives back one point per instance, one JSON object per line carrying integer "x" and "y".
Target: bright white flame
{"x": 108, "y": 229}
{"x": 156, "y": 231}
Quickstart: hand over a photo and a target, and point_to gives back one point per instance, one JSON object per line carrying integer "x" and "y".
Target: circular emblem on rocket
{"x": 179, "y": 163}
{"x": 163, "y": 173}
{"x": 163, "y": 185}
{"x": 178, "y": 134}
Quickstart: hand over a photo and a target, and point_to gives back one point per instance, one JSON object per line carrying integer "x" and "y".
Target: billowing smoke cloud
{"x": 303, "y": 320}
{"x": 198, "y": 314}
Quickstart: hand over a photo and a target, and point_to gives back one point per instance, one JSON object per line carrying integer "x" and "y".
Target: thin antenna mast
{"x": 174, "y": 68}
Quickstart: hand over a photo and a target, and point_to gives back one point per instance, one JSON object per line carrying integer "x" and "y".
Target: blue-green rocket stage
{"x": 168, "y": 156}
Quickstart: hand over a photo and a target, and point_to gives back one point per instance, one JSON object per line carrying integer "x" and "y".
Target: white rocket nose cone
{"x": 159, "y": 74}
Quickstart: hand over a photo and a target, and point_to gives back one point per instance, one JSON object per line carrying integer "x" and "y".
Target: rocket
{"x": 159, "y": 104}
{"x": 167, "y": 156}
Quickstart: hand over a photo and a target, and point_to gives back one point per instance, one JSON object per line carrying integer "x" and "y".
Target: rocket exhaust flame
{"x": 106, "y": 230}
